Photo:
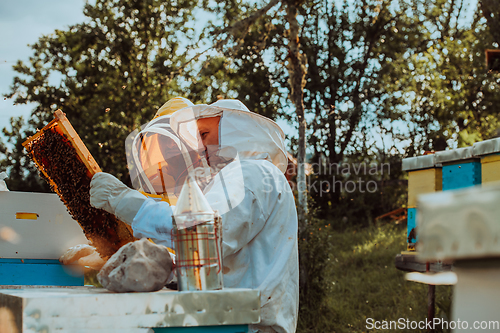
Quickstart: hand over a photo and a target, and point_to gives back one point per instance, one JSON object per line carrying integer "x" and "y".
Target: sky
{"x": 22, "y": 22}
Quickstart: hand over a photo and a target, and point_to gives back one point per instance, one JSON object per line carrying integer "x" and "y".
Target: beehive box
{"x": 86, "y": 310}
{"x": 461, "y": 224}
{"x": 489, "y": 152}
{"x": 66, "y": 164}
{"x": 423, "y": 177}
{"x": 461, "y": 168}
{"x": 462, "y": 227}
{"x": 36, "y": 229}
{"x": 490, "y": 168}
{"x": 422, "y": 182}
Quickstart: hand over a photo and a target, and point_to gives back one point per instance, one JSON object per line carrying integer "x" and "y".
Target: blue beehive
{"x": 460, "y": 168}
{"x": 461, "y": 175}
{"x": 39, "y": 272}
{"x": 411, "y": 233}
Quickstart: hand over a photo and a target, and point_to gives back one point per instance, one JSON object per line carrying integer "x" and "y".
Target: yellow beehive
{"x": 490, "y": 169}
{"x": 421, "y": 182}
{"x": 489, "y": 152}
{"x": 424, "y": 176}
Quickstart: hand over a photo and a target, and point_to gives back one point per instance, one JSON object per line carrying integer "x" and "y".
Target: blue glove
{"x": 154, "y": 220}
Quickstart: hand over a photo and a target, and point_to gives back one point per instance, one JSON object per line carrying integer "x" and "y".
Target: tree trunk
{"x": 297, "y": 71}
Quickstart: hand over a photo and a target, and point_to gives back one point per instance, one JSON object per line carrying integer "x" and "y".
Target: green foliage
{"x": 359, "y": 281}
{"x": 20, "y": 178}
{"x": 359, "y": 188}
{"x": 354, "y": 51}
{"x": 387, "y": 75}
{"x": 314, "y": 249}
{"x": 250, "y": 50}
{"x": 451, "y": 94}
{"x": 491, "y": 13}
{"x": 382, "y": 76}
{"x": 111, "y": 73}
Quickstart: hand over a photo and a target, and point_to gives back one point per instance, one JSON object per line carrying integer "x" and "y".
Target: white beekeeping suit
{"x": 257, "y": 207}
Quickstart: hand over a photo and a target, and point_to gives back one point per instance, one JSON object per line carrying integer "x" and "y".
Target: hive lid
{"x": 90, "y": 309}
{"x": 419, "y": 162}
{"x": 453, "y": 155}
{"x": 487, "y": 147}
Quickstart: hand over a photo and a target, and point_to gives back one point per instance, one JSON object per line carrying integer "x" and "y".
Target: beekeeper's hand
{"x": 110, "y": 194}
{"x": 84, "y": 255}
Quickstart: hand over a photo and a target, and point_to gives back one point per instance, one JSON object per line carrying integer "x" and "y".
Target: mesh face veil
{"x": 159, "y": 161}
{"x": 166, "y": 150}
{"x": 241, "y": 133}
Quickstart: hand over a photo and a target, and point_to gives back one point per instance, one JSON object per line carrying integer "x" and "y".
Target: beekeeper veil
{"x": 159, "y": 161}
{"x": 242, "y": 134}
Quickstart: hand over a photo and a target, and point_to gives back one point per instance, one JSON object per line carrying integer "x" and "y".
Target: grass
{"x": 362, "y": 282}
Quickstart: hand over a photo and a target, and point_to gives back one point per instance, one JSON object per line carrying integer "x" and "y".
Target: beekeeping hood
{"x": 158, "y": 160}
{"x": 242, "y": 134}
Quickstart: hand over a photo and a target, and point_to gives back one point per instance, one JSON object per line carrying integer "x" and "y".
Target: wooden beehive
{"x": 422, "y": 182}
{"x": 490, "y": 168}
{"x": 489, "y": 152}
{"x": 66, "y": 164}
{"x": 424, "y": 176}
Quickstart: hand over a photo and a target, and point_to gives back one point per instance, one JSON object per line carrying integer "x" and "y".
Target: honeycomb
{"x": 66, "y": 164}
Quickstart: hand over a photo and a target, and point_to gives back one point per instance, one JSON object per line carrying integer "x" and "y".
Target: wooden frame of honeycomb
{"x": 66, "y": 164}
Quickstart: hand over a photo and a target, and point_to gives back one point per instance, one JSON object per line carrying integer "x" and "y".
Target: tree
{"x": 23, "y": 175}
{"x": 336, "y": 62}
{"x": 491, "y": 12}
{"x": 114, "y": 73}
{"x": 111, "y": 74}
{"x": 453, "y": 98}
{"x": 390, "y": 75}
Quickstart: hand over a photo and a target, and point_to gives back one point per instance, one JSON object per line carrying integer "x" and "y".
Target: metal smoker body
{"x": 198, "y": 237}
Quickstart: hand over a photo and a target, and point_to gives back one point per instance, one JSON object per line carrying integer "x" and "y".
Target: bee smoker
{"x": 197, "y": 235}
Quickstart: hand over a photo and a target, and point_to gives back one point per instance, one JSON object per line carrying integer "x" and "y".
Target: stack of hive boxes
{"x": 423, "y": 177}
{"x": 489, "y": 153}
{"x": 449, "y": 170}
{"x": 462, "y": 228}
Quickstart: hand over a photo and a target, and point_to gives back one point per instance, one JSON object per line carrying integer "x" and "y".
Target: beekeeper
{"x": 243, "y": 179}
